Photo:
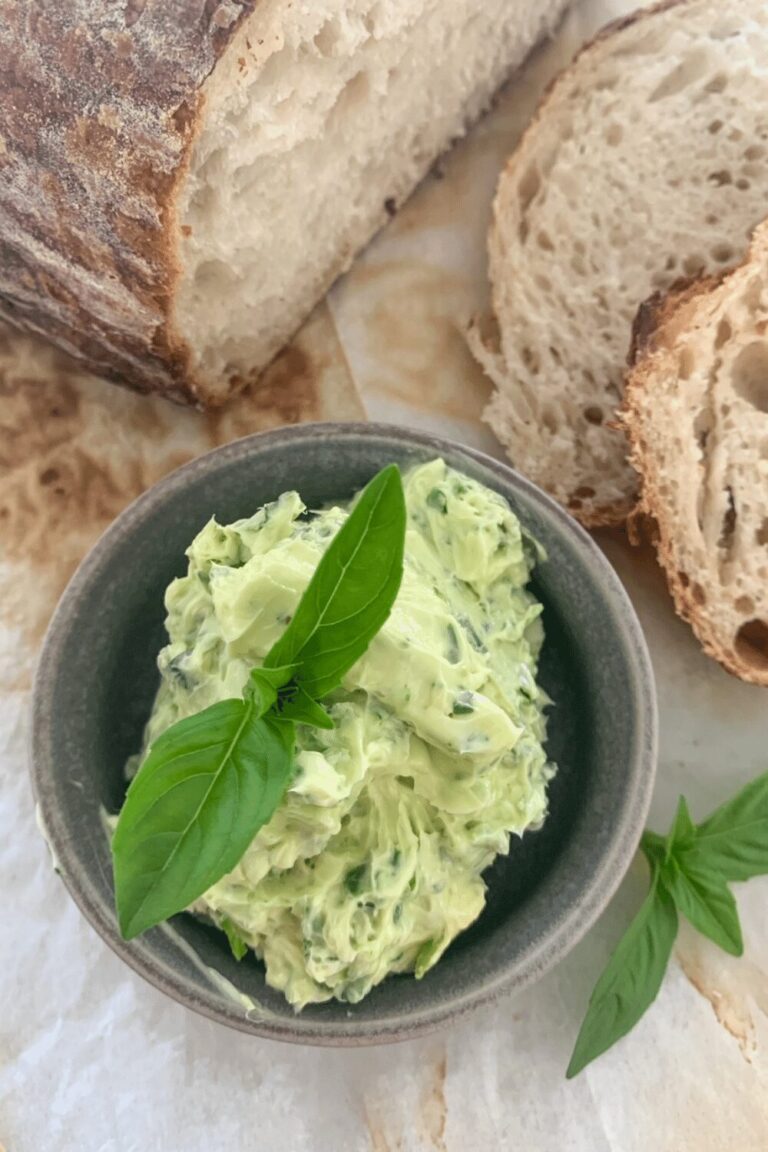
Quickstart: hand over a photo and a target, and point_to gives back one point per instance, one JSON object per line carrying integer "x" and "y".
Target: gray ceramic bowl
{"x": 97, "y": 678}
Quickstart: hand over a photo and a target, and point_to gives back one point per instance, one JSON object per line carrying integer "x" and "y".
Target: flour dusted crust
{"x": 180, "y": 183}
{"x": 696, "y": 414}
{"x": 99, "y": 103}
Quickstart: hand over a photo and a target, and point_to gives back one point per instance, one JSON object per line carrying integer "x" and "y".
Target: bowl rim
{"x": 544, "y": 953}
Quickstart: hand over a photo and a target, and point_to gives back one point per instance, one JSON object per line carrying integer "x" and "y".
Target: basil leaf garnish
{"x": 351, "y": 592}
{"x": 206, "y": 787}
{"x": 691, "y": 869}
{"x": 212, "y": 780}
{"x": 734, "y": 839}
{"x": 630, "y": 981}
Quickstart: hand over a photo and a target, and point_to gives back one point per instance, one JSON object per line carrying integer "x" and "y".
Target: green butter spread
{"x": 372, "y": 863}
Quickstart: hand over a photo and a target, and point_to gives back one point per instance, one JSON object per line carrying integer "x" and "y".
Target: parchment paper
{"x": 92, "y": 1059}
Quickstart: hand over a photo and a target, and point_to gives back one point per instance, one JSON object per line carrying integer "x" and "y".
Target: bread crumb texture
{"x": 647, "y": 162}
{"x": 696, "y": 413}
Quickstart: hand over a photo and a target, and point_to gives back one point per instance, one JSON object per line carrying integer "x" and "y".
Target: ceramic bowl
{"x": 97, "y": 677}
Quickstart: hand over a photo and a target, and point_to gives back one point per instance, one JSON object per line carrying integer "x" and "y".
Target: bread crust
{"x": 99, "y": 106}
{"x": 660, "y": 322}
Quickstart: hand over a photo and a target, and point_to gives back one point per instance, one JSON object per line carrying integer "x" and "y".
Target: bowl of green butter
{"x": 341, "y": 731}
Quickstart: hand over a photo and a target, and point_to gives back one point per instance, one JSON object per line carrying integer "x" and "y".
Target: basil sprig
{"x": 690, "y": 872}
{"x": 632, "y": 979}
{"x": 212, "y": 780}
{"x": 351, "y": 593}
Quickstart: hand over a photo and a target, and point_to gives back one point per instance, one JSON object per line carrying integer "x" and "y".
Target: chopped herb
{"x": 453, "y": 652}
{"x": 180, "y": 674}
{"x": 463, "y": 705}
{"x": 236, "y": 941}
{"x": 471, "y": 632}
{"x": 353, "y": 881}
{"x": 437, "y": 500}
{"x": 425, "y": 956}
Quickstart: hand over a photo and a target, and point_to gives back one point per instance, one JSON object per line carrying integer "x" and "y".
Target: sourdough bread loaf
{"x": 180, "y": 183}
{"x": 696, "y": 413}
{"x": 647, "y": 161}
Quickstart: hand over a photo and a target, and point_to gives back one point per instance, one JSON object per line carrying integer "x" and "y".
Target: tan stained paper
{"x": 93, "y": 1059}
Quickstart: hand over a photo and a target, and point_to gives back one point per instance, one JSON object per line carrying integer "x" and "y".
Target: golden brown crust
{"x": 664, "y": 319}
{"x": 658, "y": 310}
{"x": 99, "y": 105}
{"x": 636, "y": 17}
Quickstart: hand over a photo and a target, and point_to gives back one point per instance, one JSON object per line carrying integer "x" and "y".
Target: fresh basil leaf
{"x": 351, "y": 592}
{"x": 302, "y": 709}
{"x": 206, "y": 787}
{"x": 658, "y": 849}
{"x": 631, "y": 980}
{"x": 733, "y": 841}
{"x": 236, "y": 942}
{"x": 682, "y": 832}
{"x": 260, "y": 692}
{"x": 654, "y": 848}
{"x": 263, "y": 686}
{"x": 706, "y": 902}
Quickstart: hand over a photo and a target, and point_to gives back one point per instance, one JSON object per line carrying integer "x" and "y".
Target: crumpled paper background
{"x": 92, "y": 1059}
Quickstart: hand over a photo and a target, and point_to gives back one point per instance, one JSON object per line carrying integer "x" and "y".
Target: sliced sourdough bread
{"x": 696, "y": 413}
{"x": 180, "y": 183}
{"x": 647, "y": 161}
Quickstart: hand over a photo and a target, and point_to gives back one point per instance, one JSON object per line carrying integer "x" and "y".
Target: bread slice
{"x": 648, "y": 160}
{"x": 696, "y": 413}
{"x": 180, "y": 183}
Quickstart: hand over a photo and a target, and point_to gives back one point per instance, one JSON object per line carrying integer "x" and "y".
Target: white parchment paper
{"x": 92, "y": 1059}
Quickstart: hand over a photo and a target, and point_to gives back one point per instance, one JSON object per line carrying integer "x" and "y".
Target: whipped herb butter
{"x": 372, "y": 862}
